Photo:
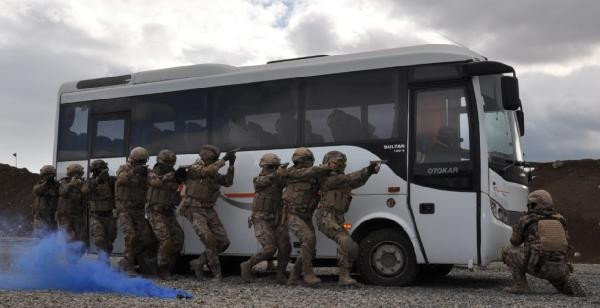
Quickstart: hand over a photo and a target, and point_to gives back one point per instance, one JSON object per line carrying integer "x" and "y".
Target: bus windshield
{"x": 500, "y": 125}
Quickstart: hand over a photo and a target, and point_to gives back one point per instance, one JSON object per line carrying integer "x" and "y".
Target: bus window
{"x": 72, "y": 132}
{"x": 256, "y": 115}
{"x": 109, "y": 137}
{"x": 442, "y": 143}
{"x": 175, "y": 121}
{"x": 350, "y": 107}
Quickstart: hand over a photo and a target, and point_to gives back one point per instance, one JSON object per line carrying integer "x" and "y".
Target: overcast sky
{"x": 554, "y": 45}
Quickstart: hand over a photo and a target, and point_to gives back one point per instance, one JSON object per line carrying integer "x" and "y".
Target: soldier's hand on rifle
{"x": 374, "y": 167}
{"x": 282, "y": 170}
{"x": 230, "y": 157}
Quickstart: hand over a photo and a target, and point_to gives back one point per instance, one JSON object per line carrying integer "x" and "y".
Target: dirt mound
{"x": 15, "y": 200}
{"x": 575, "y": 188}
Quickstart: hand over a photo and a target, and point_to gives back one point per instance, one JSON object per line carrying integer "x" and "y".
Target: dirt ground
{"x": 575, "y": 186}
{"x": 15, "y": 200}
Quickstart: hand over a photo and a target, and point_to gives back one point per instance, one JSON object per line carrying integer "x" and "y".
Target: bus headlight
{"x": 498, "y": 211}
{"x": 508, "y": 217}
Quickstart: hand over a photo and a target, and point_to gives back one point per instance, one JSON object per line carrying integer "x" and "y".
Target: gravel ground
{"x": 481, "y": 287}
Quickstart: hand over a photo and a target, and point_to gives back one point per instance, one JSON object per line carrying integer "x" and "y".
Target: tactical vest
{"x": 46, "y": 202}
{"x": 338, "y": 200}
{"x": 204, "y": 190}
{"x": 301, "y": 197}
{"x": 101, "y": 198}
{"x": 164, "y": 197}
{"x": 69, "y": 202}
{"x": 552, "y": 236}
{"x": 132, "y": 193}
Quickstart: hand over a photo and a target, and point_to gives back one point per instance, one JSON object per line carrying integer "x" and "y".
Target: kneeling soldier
{"x": 101, "y": 203}
{"x": 335, "y": 201}
{"x": 544, "y": 253}
{"x": 162, "y": 199}
{"x": 267, "y": 216}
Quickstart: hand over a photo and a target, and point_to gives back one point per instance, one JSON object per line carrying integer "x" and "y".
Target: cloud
{"x": 561, "y": 115}
{"x": 526, "y": 32}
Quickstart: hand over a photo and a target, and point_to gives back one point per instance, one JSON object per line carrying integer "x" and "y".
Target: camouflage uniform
{"x": 131, "y": 187}
{"x": 99, "y": 189}
{"x": 45, "y": 200}
{"x": 163, "y": 198}
{"x": 335, "y": 201}
{"x": 544, "y": 250}
{"x": 300, "y": 199}
{"x": 71, "y": 207}
{"x": 202, "y": 189}
{"x": 267, "y": 218}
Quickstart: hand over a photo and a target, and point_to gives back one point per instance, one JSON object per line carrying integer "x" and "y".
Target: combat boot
{"x": 127, "y": 267}
{"x": 246, "y": 269}
{"x": 345, "y": 279}
{"x": 164, "y": 273}
{"x": 519, "y": 284}
{"x": 197, "y": 265}
{"x": 218, "y": 277}
{"x": 310, "y": 279}
{"x": 294, "y": 278}
{"x": 570, "y": 286}
{"x": 281, "y": 277}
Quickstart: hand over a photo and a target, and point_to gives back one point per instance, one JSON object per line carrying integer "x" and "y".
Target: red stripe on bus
{"x": 240, "y": 195}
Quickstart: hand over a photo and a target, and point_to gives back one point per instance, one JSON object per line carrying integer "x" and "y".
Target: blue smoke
{"x": 55, "y": 263}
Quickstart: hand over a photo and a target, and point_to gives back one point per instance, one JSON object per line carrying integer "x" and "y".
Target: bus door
{"x": 109, "y": 134}
{"x": 443, "y": 174}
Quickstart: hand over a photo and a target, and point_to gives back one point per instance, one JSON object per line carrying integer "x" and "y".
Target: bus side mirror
{"x": 510, "y": 93}
{"x": 521, "y": 122}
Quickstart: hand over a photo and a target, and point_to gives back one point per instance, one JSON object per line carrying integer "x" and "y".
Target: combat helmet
{"x": 48, "y": 170}
{"x": 209, "y": 153}
{"x": 166, "y": 157}
{"x": 301, "y": 154}
{"x": 334, "y": 156}
{"x": 539, "y": 199}
{"x": 139, "y": 155}
{"x": 269, "y": 159}
{"x": 98, "y": 164}
{"x": 74, "y": 170}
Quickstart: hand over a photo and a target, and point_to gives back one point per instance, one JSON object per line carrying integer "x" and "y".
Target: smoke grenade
{"x": 55, "y": 263}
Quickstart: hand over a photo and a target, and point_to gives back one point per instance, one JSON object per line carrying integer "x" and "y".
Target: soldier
{"x": 335, "y": 200}
{"x": 71, "y": 207}
{"x": 202, "y": 188}
{"x": 163, "y": 198}
{"x": 300, "y": 199}
{"x": 542, "y": 231}
{"x": 99, "y": 189}
{"x": 45, "y": 200}
{"x": 267, "y": 218}
{"x": 131, "y": 187}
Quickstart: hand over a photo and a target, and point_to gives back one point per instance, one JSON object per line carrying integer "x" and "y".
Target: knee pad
{"x": 210, "y": 240}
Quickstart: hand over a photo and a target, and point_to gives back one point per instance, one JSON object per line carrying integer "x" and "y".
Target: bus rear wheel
{"x": 387, "y": 258}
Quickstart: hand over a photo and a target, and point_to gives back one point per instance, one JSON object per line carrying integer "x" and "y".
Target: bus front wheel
{"x": 387, "y": 258}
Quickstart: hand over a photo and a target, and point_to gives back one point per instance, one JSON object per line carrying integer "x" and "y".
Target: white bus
{"x": 447, "y": 120}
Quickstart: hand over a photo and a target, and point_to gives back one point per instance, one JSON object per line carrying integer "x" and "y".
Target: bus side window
{"x": 351, "y": 107}
{"x": 255, "y": 115}
{"x": 72, "y": 132}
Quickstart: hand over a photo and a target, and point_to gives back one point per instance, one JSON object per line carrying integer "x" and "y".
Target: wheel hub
{"x": 388, "y": 259}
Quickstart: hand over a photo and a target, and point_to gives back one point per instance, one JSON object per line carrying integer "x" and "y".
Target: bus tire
{"x": 387, "y": 258}
{"x": 429, "y": 271}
